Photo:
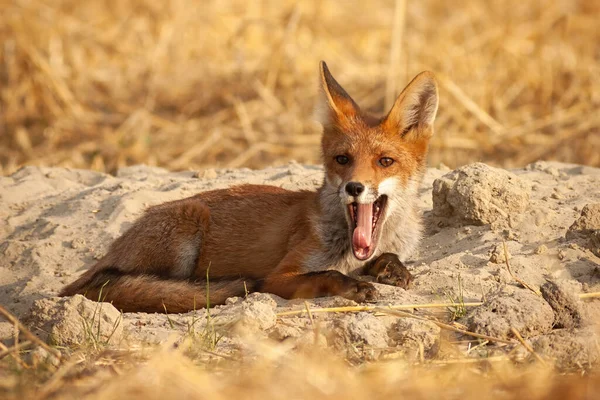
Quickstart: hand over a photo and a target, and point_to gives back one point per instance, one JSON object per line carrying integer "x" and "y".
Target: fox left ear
{"x": 415, "y": 108}
{"x": 334, "y": 103}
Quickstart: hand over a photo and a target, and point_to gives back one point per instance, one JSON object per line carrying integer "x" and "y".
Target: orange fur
{"x": 264, "y": 238}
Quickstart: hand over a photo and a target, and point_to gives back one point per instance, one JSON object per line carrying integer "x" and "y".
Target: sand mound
{"x": 56, "y": 222}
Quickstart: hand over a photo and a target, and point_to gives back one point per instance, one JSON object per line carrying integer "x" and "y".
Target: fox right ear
{"x": 334, "y": 103}
{"x": 414, "y": 111}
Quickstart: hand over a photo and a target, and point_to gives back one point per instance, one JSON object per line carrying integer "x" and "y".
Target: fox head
{"x": 375, "y": 164}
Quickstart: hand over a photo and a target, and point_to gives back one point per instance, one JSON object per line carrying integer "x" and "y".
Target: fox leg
{"x": 316, "y": 284}
{"x": 388, "y": 269}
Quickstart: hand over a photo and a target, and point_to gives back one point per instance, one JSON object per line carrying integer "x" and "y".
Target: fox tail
{"x": 147, "y": 293}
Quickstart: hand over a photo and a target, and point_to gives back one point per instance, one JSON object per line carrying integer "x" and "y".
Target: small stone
{"x": 40, "y": 356}
{"x": 541, "y": 249}
{"x": 444, "y": 167}
{"x": 209, "y": 173}
{"x": 552, "y": 171}
{"x": 78, "y": 243}
{"x": 561, "y": 254}
{"x": 594, "y": 243}
{"x": 497, "y": 255}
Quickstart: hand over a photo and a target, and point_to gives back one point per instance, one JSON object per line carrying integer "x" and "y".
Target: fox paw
{"x": 362, "y": 292}
{"x": 389, "y": 270}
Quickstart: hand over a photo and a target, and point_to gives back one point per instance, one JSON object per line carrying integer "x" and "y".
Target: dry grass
{"x": 186, "y": 84}
{"x": 272, "y": 371}
{"x": 264, "y": 369}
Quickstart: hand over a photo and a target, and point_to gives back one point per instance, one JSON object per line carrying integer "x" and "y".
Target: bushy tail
{"x": 146, "y": 293}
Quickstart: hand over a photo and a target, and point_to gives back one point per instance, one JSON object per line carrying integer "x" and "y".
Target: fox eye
{"x": 385, "y": 161}
{"x": 342, "y": 160}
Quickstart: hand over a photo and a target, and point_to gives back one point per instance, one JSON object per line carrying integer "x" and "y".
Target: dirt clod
{"x": 588, "y": 221}
{"x": 587, "y": 228}
{"x": 76, "y": 321}
{"x": 368, "y": 329}
{"x": 411, "y": 335}
{"x": 523, "y": 310}
{"x": 569, "y": 350}
{"x": 479, "y": 194}
{"x": 255, "y": 313}
{"x": 568, "y": 309}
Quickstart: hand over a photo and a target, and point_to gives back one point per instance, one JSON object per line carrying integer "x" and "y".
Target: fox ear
{"x": 413, "y": 113}
{"x": 334, "y": 103}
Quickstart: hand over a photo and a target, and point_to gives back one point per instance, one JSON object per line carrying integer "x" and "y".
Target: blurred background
{"x": 191, "y": 84}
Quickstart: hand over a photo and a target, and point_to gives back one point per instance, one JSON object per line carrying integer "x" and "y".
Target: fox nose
{"x": 354, "y": 188}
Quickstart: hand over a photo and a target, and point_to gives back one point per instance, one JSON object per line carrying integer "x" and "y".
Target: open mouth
{"x": 365, "y": 223}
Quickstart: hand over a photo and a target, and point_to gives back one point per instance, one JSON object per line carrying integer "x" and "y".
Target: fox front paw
{"x": 389, "y": 270}
{"x": 361, "y": 292}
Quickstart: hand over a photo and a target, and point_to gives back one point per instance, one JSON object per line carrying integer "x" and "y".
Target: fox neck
{"x": 332, "y": 225}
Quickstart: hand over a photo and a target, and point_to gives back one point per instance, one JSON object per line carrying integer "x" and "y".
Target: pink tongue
{"x": 361, "y": 238}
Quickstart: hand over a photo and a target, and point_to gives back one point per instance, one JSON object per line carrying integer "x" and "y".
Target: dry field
{"x": 183, "y": 84}
{"x": 190, "y": 84}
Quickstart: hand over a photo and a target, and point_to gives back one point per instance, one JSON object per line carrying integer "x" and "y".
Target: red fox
{"x": 363, "y": 219}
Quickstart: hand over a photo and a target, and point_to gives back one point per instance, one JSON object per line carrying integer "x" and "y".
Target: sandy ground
{"x": 55, "y": 222}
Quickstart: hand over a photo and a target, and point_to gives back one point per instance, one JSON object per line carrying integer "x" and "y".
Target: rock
{"x": 587, "y": 228}
{"x": 523, "y": 310}
{"x": 76, "y": 321}
{"x": 570, "y": 350}
{"x": 479, "y": 194}
{"x": 412, "y": 334}
{"x": 568, "y": 309}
